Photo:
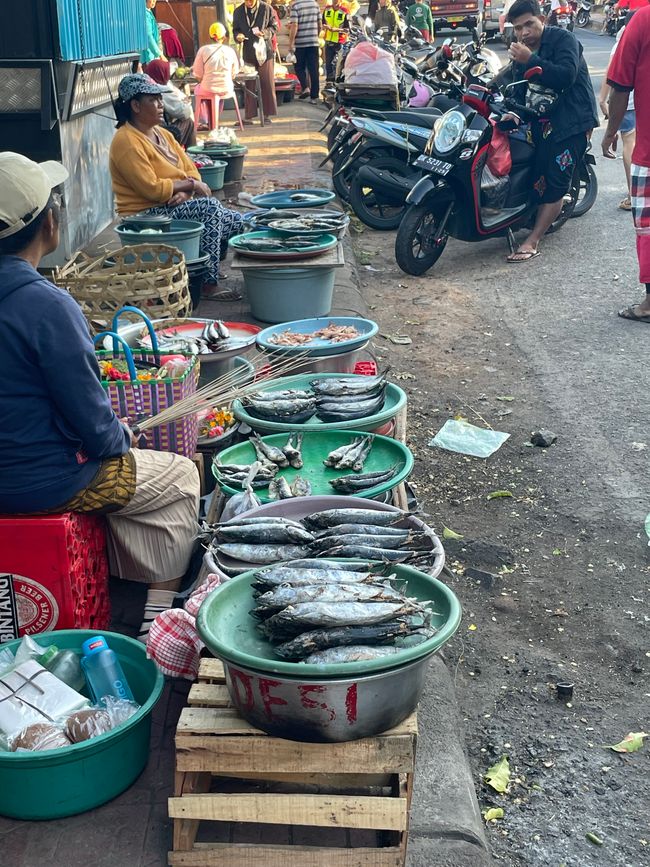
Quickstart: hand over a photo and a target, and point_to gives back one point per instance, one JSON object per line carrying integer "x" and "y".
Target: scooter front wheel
{"x": 417, "y": 247}
{"x": 582, "y": 18}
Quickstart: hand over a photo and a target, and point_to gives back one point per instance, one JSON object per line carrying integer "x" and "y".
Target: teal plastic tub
{"x": 213, "y": 175}
{"x": 282, "y": 294}
{"x": 185, "y": 235}
{"x": 56, "y": 783}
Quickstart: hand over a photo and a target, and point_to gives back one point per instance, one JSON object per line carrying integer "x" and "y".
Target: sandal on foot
{"x": 522, "y": 256}
{"x": 220, "y": 295}
{"x": 630, "y": 313}
{"x": 625, "y": 205}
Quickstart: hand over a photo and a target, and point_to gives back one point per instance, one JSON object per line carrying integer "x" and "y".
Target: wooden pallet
{"x": 271, "y": 802}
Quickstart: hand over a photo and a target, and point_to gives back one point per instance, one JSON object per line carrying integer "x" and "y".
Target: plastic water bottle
{"x": 64, "y": 664}
{"x": 103, "y": 671}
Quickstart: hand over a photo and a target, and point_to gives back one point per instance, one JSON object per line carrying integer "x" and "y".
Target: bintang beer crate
{"x": 246, "y": 799}
{"x": 53, "y": 574}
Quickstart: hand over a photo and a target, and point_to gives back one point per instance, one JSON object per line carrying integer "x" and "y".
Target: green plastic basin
{"x": 213, "y": 175}
{"x": 316, "y": 445}
{"x": 281, "y": 294}
{"x": 395, "y": 400}
{"x": 56, "y": 783}
{"x": 228, "y": 630}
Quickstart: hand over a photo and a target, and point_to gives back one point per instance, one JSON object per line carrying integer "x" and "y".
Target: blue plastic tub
{"x": 185, "y": 235}
{"x": 282, "y": 199}
{"x": 278, "y": 294}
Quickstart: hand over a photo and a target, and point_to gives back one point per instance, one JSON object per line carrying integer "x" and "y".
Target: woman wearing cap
{"x": 215, "y": 66}
{"x": 254, "y": 22}
{"x": 62, "y": 448}
{"x": 151, "y": 173}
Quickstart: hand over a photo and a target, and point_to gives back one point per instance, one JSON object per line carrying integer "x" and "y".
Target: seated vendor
{"x": 151, "y": 173}
{"x": 62, "y": 448}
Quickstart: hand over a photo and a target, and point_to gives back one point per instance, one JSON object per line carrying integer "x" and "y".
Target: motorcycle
{"x": 563, "y": 16}
{"x": 583, "y": 14}
{"x": 450, "y": 201}
{"x": 614, "y": 18}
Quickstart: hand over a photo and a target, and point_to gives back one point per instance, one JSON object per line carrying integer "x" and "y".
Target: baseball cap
{"x": 25, "y": 187}
{"x": 133, "y": 85}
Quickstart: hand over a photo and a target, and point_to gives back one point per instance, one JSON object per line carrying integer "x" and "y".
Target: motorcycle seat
{"x": 521, "y": 152}
{"x": 422, "y": 117}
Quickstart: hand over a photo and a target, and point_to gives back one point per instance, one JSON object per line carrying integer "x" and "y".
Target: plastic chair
{"x": 213, "y": 102}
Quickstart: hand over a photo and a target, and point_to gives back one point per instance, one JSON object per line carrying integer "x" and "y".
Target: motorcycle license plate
{"x": 455, "y": 19}
{"x": 562, "y": 21}
{"x": 431, "y": 164}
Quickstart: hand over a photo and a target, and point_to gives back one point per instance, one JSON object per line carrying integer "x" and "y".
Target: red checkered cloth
{"x": 640, "y": 198}
{"x": 173, "y": 642}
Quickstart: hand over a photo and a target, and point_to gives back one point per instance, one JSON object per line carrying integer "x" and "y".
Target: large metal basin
{"x": 308, "y": 709}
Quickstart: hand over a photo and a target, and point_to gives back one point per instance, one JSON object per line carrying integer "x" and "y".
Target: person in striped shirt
{"x": 304, "y": 27}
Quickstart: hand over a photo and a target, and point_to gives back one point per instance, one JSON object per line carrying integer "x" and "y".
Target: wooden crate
{"x": 298, "y": 804}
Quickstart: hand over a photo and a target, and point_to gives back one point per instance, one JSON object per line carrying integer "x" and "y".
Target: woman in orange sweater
{"x": 151, "y": 173}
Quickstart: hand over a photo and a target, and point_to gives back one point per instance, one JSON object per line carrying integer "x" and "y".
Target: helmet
{"x": 217, "y": 30}
{"x": 419, "y": 95}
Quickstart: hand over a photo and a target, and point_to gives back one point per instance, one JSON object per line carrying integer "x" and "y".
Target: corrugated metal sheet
{"x": 100, "y": 28}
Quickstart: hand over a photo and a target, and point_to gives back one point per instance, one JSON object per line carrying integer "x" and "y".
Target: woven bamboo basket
{"x": 151, "y": 277}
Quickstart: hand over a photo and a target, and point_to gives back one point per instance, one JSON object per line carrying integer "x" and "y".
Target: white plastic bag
{"x": 467, "y": 439}
{"x": 261, "y": 52}
{"x": 368, "y": 64}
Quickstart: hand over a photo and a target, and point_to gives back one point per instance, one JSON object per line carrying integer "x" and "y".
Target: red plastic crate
{"x": 58, "y": 571}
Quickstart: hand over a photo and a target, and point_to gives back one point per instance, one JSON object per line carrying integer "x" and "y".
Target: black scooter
{"x": 448, "y": 201}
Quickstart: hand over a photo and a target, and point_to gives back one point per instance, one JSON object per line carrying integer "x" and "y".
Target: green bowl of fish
{"x": 230, "y": 632}
{"x": 266, "y": 244}
{"x": 394, "y": 401}
{"x": 386, "y": 454}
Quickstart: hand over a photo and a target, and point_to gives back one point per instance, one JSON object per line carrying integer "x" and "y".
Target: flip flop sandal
{"x": 628, "y": 313}
{"x": 221, "y": 295}
{"x": 523, "y": 256}
{"x": 625, "y": 205}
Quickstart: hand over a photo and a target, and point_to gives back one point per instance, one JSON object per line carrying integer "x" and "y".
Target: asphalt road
{"x": 561, "y": 309}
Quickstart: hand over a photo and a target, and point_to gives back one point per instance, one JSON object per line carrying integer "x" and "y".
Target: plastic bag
{"x": 261, "y": 52}
{"x": 366, "y": 63}
{"x": 494, "y": 190}
{"x": 37, "y": 737}
{"x": 499, "y": 159}
{"x": 467, "y": 439}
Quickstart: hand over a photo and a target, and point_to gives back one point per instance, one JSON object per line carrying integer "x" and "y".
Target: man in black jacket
{"x": 564, "y": 83}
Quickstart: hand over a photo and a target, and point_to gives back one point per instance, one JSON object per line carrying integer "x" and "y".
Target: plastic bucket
{"x": 283, "y": 294}
{"x": 213, "y": 175}
{"x": 234, "y": 157}
{"x": 56, "y": 783}
{"x": 185, "y": 235}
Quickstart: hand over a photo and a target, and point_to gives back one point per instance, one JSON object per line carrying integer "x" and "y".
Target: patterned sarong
{"x": 640, "y": 197}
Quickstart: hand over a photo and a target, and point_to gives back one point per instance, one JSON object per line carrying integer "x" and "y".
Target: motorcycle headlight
{"x": 448, "y": 131}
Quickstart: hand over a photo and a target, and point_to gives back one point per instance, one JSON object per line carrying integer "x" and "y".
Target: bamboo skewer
{"x": 225, "y": 389}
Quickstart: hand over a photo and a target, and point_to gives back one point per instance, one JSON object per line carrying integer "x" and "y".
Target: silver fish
{"x": 337, "y": 454}
{"x": 323, "y": 565}
{"x": 332, "y": 413}
{"x": 328, "y": 615}
{"x": 351, "y": 385}
{"x": 367, "y": 552}
{"x": 293, "y": 451}
{"x": 287, "y": 394}
{"x": 353, "y": 653}
{"x": 271, "y": 452}
{"x": 276, "y": 533}
{"x": 366, "y": 529}
{"x": 320, "y": 639}
{"x": 301, "y": 487}
{"x": 287, "y": 594}
{"x": 265, "y": 519}
{"x": 356, "y": 455}
{"x": 392, "y": 542}
{"x": 261, "y": 553}
{"x": 278, "y": 575}
{"x": 279, "y": 489}
{"x": 334, "y": 517}
{"x": 353, "y": 483}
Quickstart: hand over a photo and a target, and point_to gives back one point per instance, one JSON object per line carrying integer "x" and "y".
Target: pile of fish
{"x": 287, "y": 244}
{"x": 331, "y": 400}
{"x": 262, "y": 473}
{"x": 215, "y": 337}
{"x": 323, "y": 612}
{"x": 324, "y": 221}
{"x": 366, "y": 534}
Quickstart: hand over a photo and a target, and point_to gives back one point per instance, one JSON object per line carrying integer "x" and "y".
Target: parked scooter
{"x": 449, "y": 200}
{"x": 562, "y": 16}
{"x": 614, "y": 18}
{"x": 583, "y": 14}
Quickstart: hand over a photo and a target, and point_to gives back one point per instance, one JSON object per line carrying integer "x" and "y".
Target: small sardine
{"x": 356, "y": 455}
{"x": 292, "y": 452}
{"x": 337, "y": 454}
{"x": 301, "y": 487}
{"x": 271, "y": 452}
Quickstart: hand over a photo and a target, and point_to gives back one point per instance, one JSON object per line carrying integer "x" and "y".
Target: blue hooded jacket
{"x": 56, "y": 421}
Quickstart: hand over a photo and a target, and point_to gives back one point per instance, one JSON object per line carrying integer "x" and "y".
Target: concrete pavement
{"x": 133, "y": 830}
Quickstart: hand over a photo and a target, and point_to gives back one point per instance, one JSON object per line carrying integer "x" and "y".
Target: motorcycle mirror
{"x": 448, "y": 41}
{"x": 532, "y": 72}
{"x": 369, "y": 24}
